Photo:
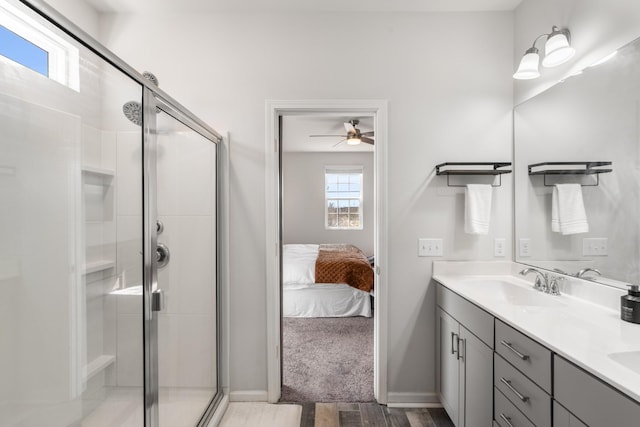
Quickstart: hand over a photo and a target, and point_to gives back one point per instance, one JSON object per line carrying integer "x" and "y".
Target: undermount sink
{"x": 512, "y": 293}
{"x": 628, "y": 359}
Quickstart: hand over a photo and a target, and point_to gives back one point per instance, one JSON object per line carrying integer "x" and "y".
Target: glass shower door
{"x": 183, "y": 296}
{"x": 108, "y": 203}
{"x": 70, "y": 238}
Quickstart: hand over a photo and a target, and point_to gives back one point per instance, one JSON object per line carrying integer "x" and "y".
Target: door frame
{"x": 273, "y": 110}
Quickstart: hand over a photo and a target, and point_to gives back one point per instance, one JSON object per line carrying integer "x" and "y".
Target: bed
{"x": 326, "y": 281}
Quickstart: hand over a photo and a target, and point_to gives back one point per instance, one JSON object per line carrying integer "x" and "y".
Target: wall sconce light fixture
{"x": 557, "y": 50}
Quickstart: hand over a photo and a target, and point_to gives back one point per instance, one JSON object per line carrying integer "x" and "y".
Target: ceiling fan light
{"x": 353, "y": 140}
{"x": 557, "y": 49}
{"x": 528, "y": 68}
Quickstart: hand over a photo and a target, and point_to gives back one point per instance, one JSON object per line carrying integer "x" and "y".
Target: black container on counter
{"x": 630, "y": 305}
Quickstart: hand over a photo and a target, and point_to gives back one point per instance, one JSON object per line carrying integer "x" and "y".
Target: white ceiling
{"x": 302, "y": 5}
{"x": 296, "y": 131}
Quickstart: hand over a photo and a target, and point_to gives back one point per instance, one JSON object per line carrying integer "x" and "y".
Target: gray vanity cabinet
{"x": 591, "y": 400}
{"x": 465, "y": 361}
{"x": 520, "y": 384}
{"x": 475, "y": 368}
{"x": 449, "y": 366}
{"x": 522, "y": 375}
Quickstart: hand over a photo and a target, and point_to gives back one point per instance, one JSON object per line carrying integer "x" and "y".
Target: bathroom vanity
{"x": 508, "y": 355}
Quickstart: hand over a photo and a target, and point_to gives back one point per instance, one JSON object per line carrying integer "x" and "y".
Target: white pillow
{"x": 299, "y": 263}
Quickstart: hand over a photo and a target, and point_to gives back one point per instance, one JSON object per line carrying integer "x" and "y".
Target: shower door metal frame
{"x": 150, "y": 268}
{"x": 152, "y": 104}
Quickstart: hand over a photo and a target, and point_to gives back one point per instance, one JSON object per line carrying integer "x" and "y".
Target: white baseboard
{"x": 219, "y": 413}
{"x": 248, "y": 396}
{"x": 413, "y": 400}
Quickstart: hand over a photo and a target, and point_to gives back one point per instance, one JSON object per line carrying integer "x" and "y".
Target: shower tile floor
{"x": 111, "y": 406}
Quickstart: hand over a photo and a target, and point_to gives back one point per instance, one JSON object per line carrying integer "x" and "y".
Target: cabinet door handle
{"x": 453, "y": 350}
{"x": 520, "y": 355}
{"x": 464, "y": 346}
{"x": 516, "y": 392}
{"x": 506, "y": 419}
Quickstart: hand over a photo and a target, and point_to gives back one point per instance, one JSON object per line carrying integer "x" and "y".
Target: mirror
{"x": 590, "y": 117}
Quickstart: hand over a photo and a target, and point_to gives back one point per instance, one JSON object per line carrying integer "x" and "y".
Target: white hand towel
{"x": 555, "y": 215}
{"x": 568, "y": 215}
{"x": 477, "y": 212}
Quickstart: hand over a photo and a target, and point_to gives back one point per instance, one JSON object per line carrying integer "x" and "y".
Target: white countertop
{"x": 578, "y": 330}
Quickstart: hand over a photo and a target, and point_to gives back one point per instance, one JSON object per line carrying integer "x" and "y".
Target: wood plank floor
{"x": 370, "y": 415}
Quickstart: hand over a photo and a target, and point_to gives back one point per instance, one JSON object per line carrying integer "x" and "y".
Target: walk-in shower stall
{"x": 108, "y": 237}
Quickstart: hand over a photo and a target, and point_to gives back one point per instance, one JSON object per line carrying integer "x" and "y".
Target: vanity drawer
{"x": 476, "y": 320}
{"x": 591, "y": 400}
{"x": 530, "y": 399}
{"x": 528, "y": 356}
{"x": 507, "y": 415}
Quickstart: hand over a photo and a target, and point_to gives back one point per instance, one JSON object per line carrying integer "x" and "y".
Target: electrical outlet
{"x": 525, "y": 247}
{"x": 430, "y": 247}
{"x": 595, "y": 246}
{"x": 499, "y": 249}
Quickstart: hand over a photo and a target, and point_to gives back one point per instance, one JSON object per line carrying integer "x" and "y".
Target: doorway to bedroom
{"x": 277, "y": 111}
{"x": 327, "y": 216}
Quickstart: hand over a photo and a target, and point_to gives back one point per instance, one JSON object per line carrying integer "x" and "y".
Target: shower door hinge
{"x": 377, "y": 270}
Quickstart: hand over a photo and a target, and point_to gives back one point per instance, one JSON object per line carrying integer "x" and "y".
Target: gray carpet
{"x": 327, "y": 359}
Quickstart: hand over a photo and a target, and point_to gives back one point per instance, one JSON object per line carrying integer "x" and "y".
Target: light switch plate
{"x": 595, "y": 246}
{"x": 525, "y": 247}
{"x": 499, "y": 247}
{"x": 430, "y": 247}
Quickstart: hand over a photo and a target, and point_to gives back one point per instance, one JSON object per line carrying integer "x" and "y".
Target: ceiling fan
{"x": 354, "y": 136}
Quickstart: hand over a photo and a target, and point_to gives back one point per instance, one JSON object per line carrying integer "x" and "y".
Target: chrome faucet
{"x": 554, "y": 285}
{"x": 580, "y": 274}
{"x": 540, "y": 284}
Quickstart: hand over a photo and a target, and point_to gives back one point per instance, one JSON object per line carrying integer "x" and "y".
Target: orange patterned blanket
{"x": 341, "y": 263}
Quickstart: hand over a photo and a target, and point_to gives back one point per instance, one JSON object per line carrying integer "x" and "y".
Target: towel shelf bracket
{"x": 473, "y": 169}
{"x": 564, "y": 169}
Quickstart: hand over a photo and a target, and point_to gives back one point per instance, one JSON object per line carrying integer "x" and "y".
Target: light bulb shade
{"x": 353, "y": 140}
{"x": 557, "y": 49}
{"x": 528, "y": 68}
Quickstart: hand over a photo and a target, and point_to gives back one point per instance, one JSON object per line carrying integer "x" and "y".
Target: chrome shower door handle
{"x": 157, "y": 300}
{"x": 162, "y": 255}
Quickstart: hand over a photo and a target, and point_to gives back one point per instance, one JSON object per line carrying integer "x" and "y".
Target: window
{"x": 25, "y": 41}
{"x": 343, "y": 198}
{"x": 23, "y": 52}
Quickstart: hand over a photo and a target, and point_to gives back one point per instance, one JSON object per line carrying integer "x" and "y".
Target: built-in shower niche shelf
{"x": 102, "y": 172}
{"x": 94, "y": 267}
{"x": 98, "y": 364}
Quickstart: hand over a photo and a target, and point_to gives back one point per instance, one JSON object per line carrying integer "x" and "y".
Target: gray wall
{"x": 303, "y": 199}
{"x": 440, "y": 109}
{"x": 80, "y": 13}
